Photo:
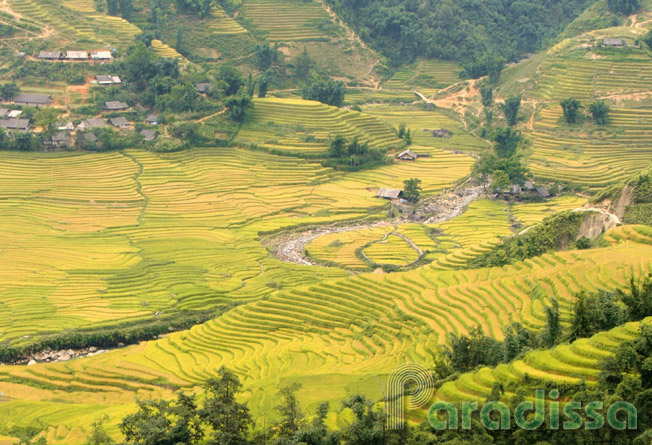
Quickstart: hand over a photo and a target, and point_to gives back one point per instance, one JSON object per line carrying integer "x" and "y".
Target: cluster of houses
{"x": 527, "y": 190}
{"x": 76, "y": 55}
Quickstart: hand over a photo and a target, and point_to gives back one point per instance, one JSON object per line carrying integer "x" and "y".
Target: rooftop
{"x": 119, "y": 121}
{"x": 115, "y": 105}
{"x": 389, "y": 193}
{"x": 30, "y": 98}
{"x": 14, "y": 124}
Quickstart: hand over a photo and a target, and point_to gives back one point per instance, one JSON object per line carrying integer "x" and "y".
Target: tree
{"x": 338, "y": 147}
{"x": 263, "y": 84}
{"x": 412, "y": 189}
{"x": 229, "y": 419}
{"x": 203, "y": 7}
{"x": 510, "y": 108}
{"x": 24, "y": 141}
{"x": 571, "y": 108}
{"x": 625, "y": 7}
{"x": 487, "y": 94}
{"x": 552, "y": 331}
{"x": 238, "y": 106}
{"x": 600, "y": 112}
{"x": 179, "y": 46}
{"x": 182, "y": 97}
{"x": 47, "y": 119}
{"x": 113, "y": 7}
{"x": 161, "y": 422}
{"x": 266, "y": 56}
{"x": 368, "y": 426}
{"x": 329, "y": 92}
{"x": 302, "y": 65}
{"x": 290, "y": 411}
{"x": 507, "y": 141}
{"x": 98, "y": 435}
{"x": 126, "y": 8}
{"x": 231, "y": 78}
{"x": 8, "y": 91}
{"x": 647, "y": 39}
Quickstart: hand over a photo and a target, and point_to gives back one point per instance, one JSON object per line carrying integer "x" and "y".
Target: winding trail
{"x": 290, "y": 246}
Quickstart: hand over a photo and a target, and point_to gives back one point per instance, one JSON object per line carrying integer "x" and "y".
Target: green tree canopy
{"x": 600, "y": 112}
{"x": 571, "y": 109}
{"x": 412, "y": 189}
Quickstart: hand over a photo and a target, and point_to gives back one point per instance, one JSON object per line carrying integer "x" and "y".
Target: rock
{"x": 64, "y": 357}
{"x": 92, "y": 349}
{"x": 31, "y": 362}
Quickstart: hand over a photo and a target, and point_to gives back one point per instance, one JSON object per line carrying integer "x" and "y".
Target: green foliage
{"x": 596, "y": 312}
{"x": 487, "y": 94}
{"x": 291, "y": 414}
{"x": 329, "y": 92}
{"x": 625, "y": 7}
{"x": 600, "y": 112}
{"x": 8, "y": 91}
{"x": 229, "y": 420}
{"x": 266, "y": 56}
{"x": 97, "y": 434}
{"x": 48, "y": 119}
{"x": 486, "y": 65}
{"x": 412, "y": 189}
{"x": 466, "y": 352}
{"x": 230, "y": 79}
{"x": 337, "y": 148}
{"x": 552, "y": 332}
{"x": 503, "y": 171}
{"x": 452, "y": 30}
{"x": 507, "y": 141}
{"x": 302, "y": 65}
{"x": 237, "y": 107}
{"x": 571, "y": 109}
{"x": 647, "y": 39}
{"x": 510, "y": 108}
{"x": 554, "y": 233}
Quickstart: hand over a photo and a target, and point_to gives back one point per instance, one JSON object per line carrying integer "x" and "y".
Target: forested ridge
{"x": 460, "y": 30}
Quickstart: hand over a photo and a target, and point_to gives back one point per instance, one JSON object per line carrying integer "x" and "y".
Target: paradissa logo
{"x": 530, "y": 416}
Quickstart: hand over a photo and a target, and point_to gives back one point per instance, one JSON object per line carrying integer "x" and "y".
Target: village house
{"x": 14, "y": 113}
{"x": 101, "y": 55}
{"x": 108, "y": 80}
{"x": 119, "y": 122}
{"x": 407, "y": 155}
{"x": 50, "y": 55}
{"x": 76, "y": 55}
{"x": 91, "y": 123}
{"x": 613, "y": 43}
{"x": 149, "y": 135}
{"x": 152, "y": 119}
{"x": 61, "y": 139}
{"x": 442, "y": 133}
{"x": 32, "y": 100}
{"x": 68, "y": 126}
{"x": 14, "y": 124}
{"x": 89, "y": 137}
{"x": 115, "y": 106}
{"x": 389, "y": 193}
{"x": 203, "y": 88}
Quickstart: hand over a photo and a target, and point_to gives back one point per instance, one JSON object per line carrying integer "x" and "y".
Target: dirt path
{"x": 211, "y": 115}
{"x": 290, "y": 247}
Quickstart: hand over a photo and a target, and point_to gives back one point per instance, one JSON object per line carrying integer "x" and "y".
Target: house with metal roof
{"x": 32, "y": 100}
{"x": 50, "y": 55}
{"x": 108, "y": 80}
{"x": 407, "y": 155}
{"x": 92, "y": 123}
{"x": 389, "y": 193}
{"x": 101, "y": 55}
{"x": 149, "y": 135}
{"x": 613, "y": 43}
{"x": 76, "y": 55}
{"x": 14, "y": 124}
{"x": 119, "y": 122}
{"x": 152, "y": 119}
{"x": 115, "y": 106}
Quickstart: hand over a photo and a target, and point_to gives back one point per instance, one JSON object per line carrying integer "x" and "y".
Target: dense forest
{"x": 461, "y": 30}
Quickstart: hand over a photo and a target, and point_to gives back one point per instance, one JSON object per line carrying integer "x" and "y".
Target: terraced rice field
{"x": 581, "y": 78}
{"x": 393, "y": 250}
{"x": 358, "y": 326}
{"x": 78, "y": 21}
{"x": 218, "y": 22}
{"x": 421, "y": 122}
{"x": 567, "y": 364}
{"x": 287, "y": 20}
{"x": 165, "y": 50}
{"x": 591, "y": 156}
{"x": 529, "y": 214}
{"x": 289, "y": 125}
{"x": 426, "y": 75}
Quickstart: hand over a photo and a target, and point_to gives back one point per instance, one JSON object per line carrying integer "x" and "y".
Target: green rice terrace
{"x": 257, "y": 190}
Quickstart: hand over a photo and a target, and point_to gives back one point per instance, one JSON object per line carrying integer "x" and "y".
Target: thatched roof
{"x": 389, "y": 193}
